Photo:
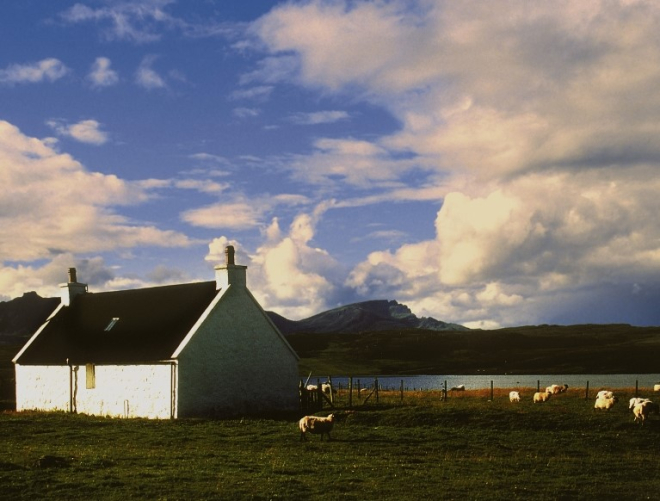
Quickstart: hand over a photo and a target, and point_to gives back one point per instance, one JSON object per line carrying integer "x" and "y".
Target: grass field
{"x": 465, "y": 448}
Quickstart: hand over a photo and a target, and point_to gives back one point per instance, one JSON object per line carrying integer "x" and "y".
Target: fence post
{"x": 350, "y": 392}
{"x": 376, "y": 388}
{"x": 444, "y": 393}
{"x": 538, "y": 385}
{"x": 302, "y": 396}
{"x": 402, "y": 390}
{"x": 319, "y": 393}
{"x": 586, "y": 393}
{"x": 491, "y": 390}
{"x": 332, "y": 397}
{"x": 359, "y": 394}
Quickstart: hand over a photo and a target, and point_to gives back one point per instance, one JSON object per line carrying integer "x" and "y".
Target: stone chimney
{"x": 72, "y": 288}
{"x": 230, "y": 273}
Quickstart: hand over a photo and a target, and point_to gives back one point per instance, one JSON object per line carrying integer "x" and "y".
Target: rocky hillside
{"x": 22, "y": 316}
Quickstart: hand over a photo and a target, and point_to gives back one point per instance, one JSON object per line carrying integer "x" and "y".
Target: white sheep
{"x": 556, "y": 389}
{"x": 514, "y": 396}
{"x": 460, "y": 387}
{"x": 604, "y": 394}
{"x": 311, "y": 387}
{"x": 656, "y": 387}
{"x": 541, "y": 396}
{"x": 605, "y": 403}
{"x": 316, "y": 425}
{"x": 644, "y": 409}
{"x": 637, "y": 400}
{"x": 327, "y": 388}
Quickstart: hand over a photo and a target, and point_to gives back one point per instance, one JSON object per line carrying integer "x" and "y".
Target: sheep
{"x": 556, "y": 389}
{"x": 637, "y": 400}
{"x": 604, "y": 403}
{"x": 311, "y": 387}
{"x": 460, "y": 387}
{"x": 327, "y": 388}
{"x": 514, "y": 396}
{"x": 604, "y": 394}
{"x": 656, "y": 387}
{"x": 644, "y": 409}
{"x": 316, "y": 425}
{"x": 541, "y": 396}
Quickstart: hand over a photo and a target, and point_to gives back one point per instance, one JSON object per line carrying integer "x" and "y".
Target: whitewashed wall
{"x": 126, "y": 391}
{"x": 42, "y": 387}
{"x": 120, "y": 391}
{"x": 237, "y": 362}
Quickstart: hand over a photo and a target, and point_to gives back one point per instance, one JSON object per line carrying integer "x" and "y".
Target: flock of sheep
{"x": 605, "y": 400}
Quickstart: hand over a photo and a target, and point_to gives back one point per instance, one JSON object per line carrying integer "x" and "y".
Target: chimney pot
{"x": 229, "y": 255}
{"x": 72, "y": 276}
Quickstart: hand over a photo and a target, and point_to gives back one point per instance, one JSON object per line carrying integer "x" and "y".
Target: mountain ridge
{"x": 366, "y": 316}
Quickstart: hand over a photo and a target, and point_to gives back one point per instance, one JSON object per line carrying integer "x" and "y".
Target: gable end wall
{"x": 236, "y": 362}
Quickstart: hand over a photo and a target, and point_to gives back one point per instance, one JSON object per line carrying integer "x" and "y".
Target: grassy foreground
{"x": 465, "y": 448}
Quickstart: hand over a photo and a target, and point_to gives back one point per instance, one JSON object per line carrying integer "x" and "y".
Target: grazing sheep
{"x": 460, "y": 387}
{"x": 637, "y": 400}
{"x": 541, "y": 396}
{"x": 556, "y": 389}
{"x": 604, "y": 394}
{"x": 656, "y": 387}
{"x": 316, "y": 425}
{"x": 327, "y": 388}
{"x": 644, "y": 409}
{"x": 514, "y": 396}
{"x": 311, "y": 387}
{"x": 604, "y": 403}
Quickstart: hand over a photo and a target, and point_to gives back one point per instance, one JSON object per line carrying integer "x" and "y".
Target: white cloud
{"x": 235, "y": 215}
{"x": 259, "y": 93}
{"x": 101, "y": 75}
{"x": 51, "y": 204}
{"x": 318, "y": 117}
{"x": 147, "y": 77}
{"x": 132, "y": 21}
{"x": 538, "y": 124}
{"x": 86, "y": 131}
{"x": 142, "y": 21}
{"x": 50, "y": 69}
{"x": 246, "y": 112}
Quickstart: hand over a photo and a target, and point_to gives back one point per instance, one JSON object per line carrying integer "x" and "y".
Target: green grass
{"x": 465, "y": 448}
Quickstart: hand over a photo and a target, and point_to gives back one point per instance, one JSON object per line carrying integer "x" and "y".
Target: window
{"x": 90, "y": 376}
{"x": 111, "y": 324}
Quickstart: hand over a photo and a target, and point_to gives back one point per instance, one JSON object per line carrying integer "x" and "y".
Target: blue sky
{"x": 486, "y": 163}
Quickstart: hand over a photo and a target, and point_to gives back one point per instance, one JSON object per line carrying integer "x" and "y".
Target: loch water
{"x": 644, "y": 382}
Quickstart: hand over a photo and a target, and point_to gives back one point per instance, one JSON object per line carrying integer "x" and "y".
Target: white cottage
{"x": 195, "y": 349}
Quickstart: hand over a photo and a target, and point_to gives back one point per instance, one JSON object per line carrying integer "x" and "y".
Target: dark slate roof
{"x": 151, "y": 324}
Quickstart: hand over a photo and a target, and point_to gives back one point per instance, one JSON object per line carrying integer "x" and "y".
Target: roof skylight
{"x": 112, "y": 324}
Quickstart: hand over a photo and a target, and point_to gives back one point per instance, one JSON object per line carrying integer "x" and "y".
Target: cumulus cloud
{"x": 101, "y": 75}
{"x": 52, "y": 205}
{"x": 50, "y": 69}
{"x": 86, "y": 131}
{"x": 537, "y": 126}
{"x": 286, "y": 272}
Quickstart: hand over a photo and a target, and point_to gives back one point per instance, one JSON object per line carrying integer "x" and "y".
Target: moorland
{"x": 421, "y": 447}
